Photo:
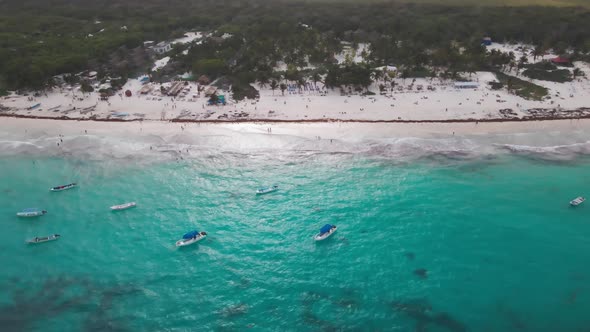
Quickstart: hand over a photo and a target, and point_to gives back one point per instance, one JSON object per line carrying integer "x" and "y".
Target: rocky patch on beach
{"x": 508, "y": 113}
{"x": 557, "y": 113}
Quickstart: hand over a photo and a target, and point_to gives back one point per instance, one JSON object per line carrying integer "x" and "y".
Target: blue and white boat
{"x": 190, "y": 238}
{"x": 64, "y": 187}
{"x": 31, "y": 212}
{"x": 325, "y": 232}
{"x": 267, "y": 190}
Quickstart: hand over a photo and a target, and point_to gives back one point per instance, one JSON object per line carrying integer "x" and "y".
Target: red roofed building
{"x": 560, "y": 61}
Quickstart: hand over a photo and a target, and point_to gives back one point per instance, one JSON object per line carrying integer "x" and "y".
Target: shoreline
{"x": 344, "y": 130}
{"x": 319, "y": 120}
{"x": 159, "y": 140}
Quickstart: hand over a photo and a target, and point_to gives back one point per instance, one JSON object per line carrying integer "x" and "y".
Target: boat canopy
{"x": 326, "y": 228}
{"x": 31, "y": 210}
{"x": 190, "y": 235}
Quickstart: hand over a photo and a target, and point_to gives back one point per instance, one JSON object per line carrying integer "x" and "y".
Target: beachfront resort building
{"x": 560, "y": 61}
{"x": 162, "y": 47}
{"x": 466, "y": 85}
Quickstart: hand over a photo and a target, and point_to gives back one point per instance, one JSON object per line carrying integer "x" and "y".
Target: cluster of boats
{"x": 325, "y": 232}
{"x": 187, "y": 239}
{"x": 36, "y": 212}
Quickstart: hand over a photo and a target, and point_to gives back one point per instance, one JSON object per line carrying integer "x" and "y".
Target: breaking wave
{"x": 556, "y": 152}
{"x": 239, "y": 147}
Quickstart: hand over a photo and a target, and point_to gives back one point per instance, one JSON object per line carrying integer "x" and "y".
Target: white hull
{"x": 29, "y": 214}
{"x": 123, "y": 206}
{"x": 577, "y": 201}
{"x": 44, "y": 239}
{"x": 321, "y": 237}
{"x": 266, "y": 190}
{"x": 183, "y": 242}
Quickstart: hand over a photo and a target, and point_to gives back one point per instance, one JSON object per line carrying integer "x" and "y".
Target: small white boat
{"x": 64, "y": 187}
{"x": 266, "y": 190}
{"x": 43, "y": 239}
{"x": 123, "y": 206}
{"x": 325, "y": 232}
{"x": 190, "y": 238}
{"x": 29, "y": 213}
{"x": 577, "y": 201}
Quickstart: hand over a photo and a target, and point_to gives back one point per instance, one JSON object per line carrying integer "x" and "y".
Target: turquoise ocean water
{"x": 431, "y": 244}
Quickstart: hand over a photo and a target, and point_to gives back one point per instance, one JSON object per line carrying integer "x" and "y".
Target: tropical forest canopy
{"x": 43, "y": 38}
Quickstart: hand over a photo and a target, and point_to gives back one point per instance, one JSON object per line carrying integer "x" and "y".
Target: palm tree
{"x": 405, "y": 73}
{"x": 537, "y": 51}
{"x": 315, "y": 77}
{"x": 300, "y": 83}
{"x": 471, "y": 69}
{"x": 511, "y": 60}
{"x": 509, "y": 83}
{"x": 521, "y": 62}
{"x": 511, "y": 65}
{"x": 263, "y": 79}
{"x": 378, "y": 75}
{"x": 577, "y": 72}
{"x": 283, "y": 87}
{"x": 273, "y": 86}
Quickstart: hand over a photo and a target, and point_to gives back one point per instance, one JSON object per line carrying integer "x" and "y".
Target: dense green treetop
{"x": 42, "y": 38}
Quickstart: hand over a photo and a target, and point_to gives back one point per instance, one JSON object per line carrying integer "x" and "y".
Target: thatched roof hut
{"x": 204, "y": 80}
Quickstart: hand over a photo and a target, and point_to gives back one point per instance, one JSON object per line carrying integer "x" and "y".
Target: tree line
{"x": 39, "y": 39}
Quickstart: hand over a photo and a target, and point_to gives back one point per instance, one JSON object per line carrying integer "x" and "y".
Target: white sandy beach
{"x": 156, "y": 140}
{"x": 445, "y": 103}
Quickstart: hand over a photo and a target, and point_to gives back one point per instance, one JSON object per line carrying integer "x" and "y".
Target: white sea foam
{"x": 253, "y": 143}
{"x": 557, "y": 152}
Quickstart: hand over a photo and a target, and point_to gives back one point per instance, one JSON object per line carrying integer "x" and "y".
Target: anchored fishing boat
{"x": 325, "y": 232}
{"x": 64, "y": 187}
{"x": 32, "y": 212}
{"x": 266, "y": 190}
{"x": 577, "y": 201}
{"x": 43, "y": 239}
{"x": 123, "y": 206}
{"x": 190, "y": 238}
